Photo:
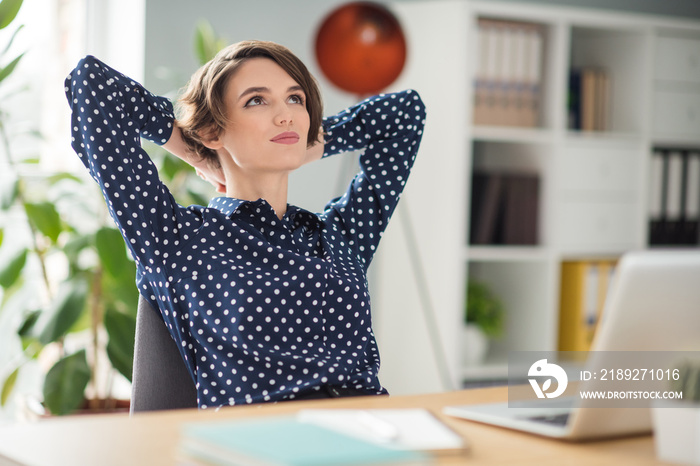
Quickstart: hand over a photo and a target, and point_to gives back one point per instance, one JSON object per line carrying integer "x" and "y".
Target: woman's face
{"x": 268, "y": 121}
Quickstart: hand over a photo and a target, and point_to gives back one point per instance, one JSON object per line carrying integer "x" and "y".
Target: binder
{"x": 657, "y": 187}
{"x": 486, "y": 207}
{"x": 520, "y": 218}
{"x": 602, "y": 100}
{"x": 691, "y": 228}
{"x": 584, "y": 287}
{"x": 589, "y": 99}
{"x": 504, "y": 209}
{"x": 508, "y": 73}
{"x": 575, "y": 99}
{"x": 674, "y": 203}
{"x": 534, "y": 42}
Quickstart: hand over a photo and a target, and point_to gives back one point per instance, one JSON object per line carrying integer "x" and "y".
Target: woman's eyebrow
{"x": 264, "y": 90}
{"x": 253, "y": 90}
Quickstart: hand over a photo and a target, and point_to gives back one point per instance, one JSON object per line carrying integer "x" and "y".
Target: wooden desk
{"x": 152, "y": 438}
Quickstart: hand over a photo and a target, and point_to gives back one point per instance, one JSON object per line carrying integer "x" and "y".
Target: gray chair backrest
{"x": 160, "y": 378}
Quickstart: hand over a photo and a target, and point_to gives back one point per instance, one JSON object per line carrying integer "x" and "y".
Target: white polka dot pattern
{"x": 262, "y": 309}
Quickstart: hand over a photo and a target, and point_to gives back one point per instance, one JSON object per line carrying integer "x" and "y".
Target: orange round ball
{"x": 360, "y": 48}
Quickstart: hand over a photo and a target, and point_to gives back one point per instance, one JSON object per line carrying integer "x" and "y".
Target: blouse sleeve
{"x": 110, "y": 113}
{"x": 388, "y": 129}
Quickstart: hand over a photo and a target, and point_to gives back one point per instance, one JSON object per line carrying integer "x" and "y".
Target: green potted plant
{"x": 78, "y": 318}
{"x": 483, "y": 321}
{"x": 65, "y": 272}
{"x": 677, "y": 421}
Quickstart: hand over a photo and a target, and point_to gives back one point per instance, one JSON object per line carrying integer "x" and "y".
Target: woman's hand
{"x": 176, "y": 146}
{"x": 214, "y": 176}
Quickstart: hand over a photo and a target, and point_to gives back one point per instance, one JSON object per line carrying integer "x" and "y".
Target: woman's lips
{"x": 288, "y": 137}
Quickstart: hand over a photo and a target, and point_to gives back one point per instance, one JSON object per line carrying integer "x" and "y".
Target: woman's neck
{"x": 269, "y": 186}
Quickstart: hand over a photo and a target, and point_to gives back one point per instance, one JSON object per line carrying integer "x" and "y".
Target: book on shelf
{"x": 584, "y": 288}
{"x": 283, "y": 440}
{"x": 589, "y": 99}
{"x": 674, "y": 197}
{"x": 504, "y": 208}
{"x": 508, "y": 74}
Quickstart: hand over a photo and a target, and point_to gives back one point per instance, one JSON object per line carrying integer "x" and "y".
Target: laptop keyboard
{"x": 553, "y": 419}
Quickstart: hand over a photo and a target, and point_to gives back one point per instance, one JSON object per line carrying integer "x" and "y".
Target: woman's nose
{"x": 283, "y": 115}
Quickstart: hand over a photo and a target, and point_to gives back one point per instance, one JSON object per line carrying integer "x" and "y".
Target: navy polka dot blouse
{"x": 262, "y": 309}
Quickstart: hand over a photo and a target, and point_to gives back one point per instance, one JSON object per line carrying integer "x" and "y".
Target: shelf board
{"x": 680, "y": 141}
{"x": 507, "y": 253}
{"x": 604, "y": 136}
{"x": 512, "y": 134}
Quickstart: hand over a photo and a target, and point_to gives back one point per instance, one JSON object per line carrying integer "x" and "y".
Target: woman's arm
{"x": 176, "y": 146}
{"x": 388, "y": 129}
{"x": 110, "y": 114}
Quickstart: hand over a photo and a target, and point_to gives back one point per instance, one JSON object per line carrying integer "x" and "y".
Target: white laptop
{"x": 653, "y": 305}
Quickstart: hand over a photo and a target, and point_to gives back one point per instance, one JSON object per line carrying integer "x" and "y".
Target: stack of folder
{"x": 509, "y": 73}
{"x": 674, "y": 203}
{"x": 589, "y": 99}
{"x": 505, "y": 208}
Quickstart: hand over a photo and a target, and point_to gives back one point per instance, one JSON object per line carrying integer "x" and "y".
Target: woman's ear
{"x": 212, "y": 140}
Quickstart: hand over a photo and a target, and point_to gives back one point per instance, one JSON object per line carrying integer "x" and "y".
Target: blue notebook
{"x": 283, "y": 441}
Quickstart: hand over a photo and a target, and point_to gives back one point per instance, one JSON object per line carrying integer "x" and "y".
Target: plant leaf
{"x": 8, "y": 195}
{"x": 197, "y": 198}
{"x": 121, "y": 291}
{"x": 2, "y": 235}
{"x": 65, "y": 310}
{"x": 28, "y": 324}
{"x": 8, "y": 11}
{"x": 9, "y": 298}
{"x": 206, "y": 44}
{"x": 121, "y": 329}
{"x": 203, "y": 37}
{"x": 6, "y": 71}
{"x": 64, "y": 386}
{"x": 13, "y": 269}
{"x": 44, "y": 216}
{"x": 7, "y": 386}
{"x": 12, "y": 39}
{"x": 111, "y": 250}
{"x": 171, "y": 166}
{"x": 53, "y": 179}
{"x": 75, "y": 245}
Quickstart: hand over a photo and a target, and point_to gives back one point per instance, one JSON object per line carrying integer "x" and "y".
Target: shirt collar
{"x": 302, "y": 216}
{"x": 229, "y": 205}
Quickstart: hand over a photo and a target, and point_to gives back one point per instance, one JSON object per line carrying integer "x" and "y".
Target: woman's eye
{"x": 254, "y": 101}
{"x": 296, "y": 99}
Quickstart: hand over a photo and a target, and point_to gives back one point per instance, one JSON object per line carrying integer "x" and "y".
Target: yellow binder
{"x": 584, "y": 287}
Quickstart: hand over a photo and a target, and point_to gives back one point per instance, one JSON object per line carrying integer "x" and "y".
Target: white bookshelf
{"x": 593, "y": 185}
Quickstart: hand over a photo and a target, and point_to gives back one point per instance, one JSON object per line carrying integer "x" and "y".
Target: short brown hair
{"x": 202, "y": 109}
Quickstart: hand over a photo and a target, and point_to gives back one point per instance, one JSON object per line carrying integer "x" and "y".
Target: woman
{"x": 266, "y": 301}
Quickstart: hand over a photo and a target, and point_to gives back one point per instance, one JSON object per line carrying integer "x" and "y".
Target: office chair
{"x": 160, "y": 379}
